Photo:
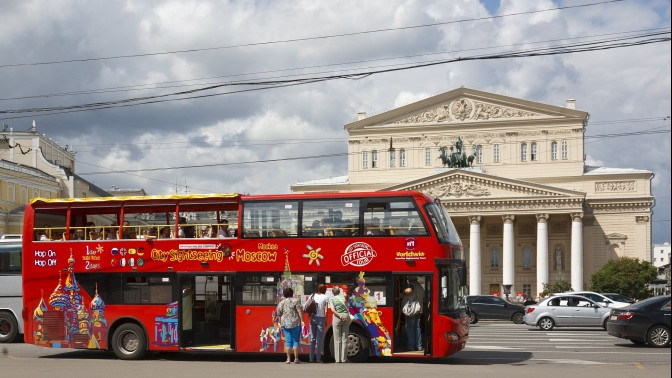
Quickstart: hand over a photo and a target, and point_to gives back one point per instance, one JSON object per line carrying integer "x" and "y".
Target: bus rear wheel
{"x": 129, "y": 342}
{"x": 358, "y": 347}
{"x": 9, "y": 328}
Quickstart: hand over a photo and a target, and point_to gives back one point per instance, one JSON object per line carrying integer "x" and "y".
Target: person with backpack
{"x": 316, "y": 308}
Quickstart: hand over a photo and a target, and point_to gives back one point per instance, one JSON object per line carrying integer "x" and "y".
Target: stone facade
{"x": 32, "y": 166}
{"x": 528, "y": 209}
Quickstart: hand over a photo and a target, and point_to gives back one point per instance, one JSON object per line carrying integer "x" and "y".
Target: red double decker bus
{"x": 205, "y": 272}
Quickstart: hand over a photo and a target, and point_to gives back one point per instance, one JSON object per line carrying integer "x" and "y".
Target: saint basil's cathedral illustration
{"x": 65, "y": 322}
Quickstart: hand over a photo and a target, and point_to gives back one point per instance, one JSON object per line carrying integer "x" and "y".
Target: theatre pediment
{"x": 456, "y": 184}
{"x": 464, "y": 109}
{"x": 465, "y": 105}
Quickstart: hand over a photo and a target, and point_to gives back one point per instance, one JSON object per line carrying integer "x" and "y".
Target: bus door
{"x": 422, "y": 286}
{"x": 206, "y": 311}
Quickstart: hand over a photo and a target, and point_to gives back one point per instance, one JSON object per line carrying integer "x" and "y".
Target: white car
{"x": 566, "y": 310}
{"x": 599, "y": 298}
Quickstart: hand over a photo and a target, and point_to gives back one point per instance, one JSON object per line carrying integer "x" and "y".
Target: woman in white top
{"x": 317, "y": 322}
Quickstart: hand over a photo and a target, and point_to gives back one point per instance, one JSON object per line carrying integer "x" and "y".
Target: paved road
{"x": 495, "y": 349}
{"x": 504, "y": 343}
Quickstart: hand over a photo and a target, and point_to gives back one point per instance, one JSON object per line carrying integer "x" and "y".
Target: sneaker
{"x": 297, "y": 361}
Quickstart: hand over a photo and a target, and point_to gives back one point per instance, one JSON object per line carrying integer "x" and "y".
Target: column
{"x": 475, "y": 255}
{"x": 542, "y": 252}
{"x": 577, "y": 251}
{"x": 508, "y": 261}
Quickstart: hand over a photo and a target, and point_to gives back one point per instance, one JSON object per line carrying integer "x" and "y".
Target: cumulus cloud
{"x": 244, "y": 139}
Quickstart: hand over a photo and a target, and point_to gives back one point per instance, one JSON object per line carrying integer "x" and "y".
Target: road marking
{"x": 570, "y": 361}
{"x": 489, "y": 347}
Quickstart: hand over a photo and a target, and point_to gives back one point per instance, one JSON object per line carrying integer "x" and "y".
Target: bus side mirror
{"x": 462, "y": 272}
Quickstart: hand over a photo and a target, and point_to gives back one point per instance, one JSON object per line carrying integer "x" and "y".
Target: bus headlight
{"x": 451, "y": 337}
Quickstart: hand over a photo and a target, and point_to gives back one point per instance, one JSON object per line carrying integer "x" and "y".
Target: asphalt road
{"x": 495, "y": 349}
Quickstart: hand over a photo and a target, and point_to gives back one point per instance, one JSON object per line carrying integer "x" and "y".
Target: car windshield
{"x": 620, "y": 298}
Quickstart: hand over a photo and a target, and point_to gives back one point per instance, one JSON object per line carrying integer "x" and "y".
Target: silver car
{"x": 566, "y": 310}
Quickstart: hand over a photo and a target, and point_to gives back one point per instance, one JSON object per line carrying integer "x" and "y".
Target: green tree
{"x": 559, "y": 286}
{"x": 627, "y": 276}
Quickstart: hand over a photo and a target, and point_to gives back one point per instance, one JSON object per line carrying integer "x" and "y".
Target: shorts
{"x": 292, "y": 336}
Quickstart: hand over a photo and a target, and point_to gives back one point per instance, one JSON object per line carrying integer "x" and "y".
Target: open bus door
{"x": 206, "y": 311}
{"x": 401, "y": 345}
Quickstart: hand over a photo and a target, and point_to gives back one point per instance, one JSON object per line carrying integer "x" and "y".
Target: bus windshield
{"x": 442, "y": 224}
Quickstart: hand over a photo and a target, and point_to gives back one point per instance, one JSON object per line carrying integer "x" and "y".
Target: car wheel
{"x": 658, "y": 336}
{"x": 546, "y": 324}
{"x": 604, "y": 323}
{"x": 517, "y": 318}
{"x": 9, "y": 327}
{"x": 129, "y": 342}
{"x": 473, "y": 318}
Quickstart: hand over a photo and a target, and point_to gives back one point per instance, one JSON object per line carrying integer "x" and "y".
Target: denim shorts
{"x": 292, "y": 336}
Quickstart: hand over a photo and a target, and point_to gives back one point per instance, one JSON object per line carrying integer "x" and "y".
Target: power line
{"x": 306, "y": 157}
{"x": 270, "y": 84}
{"x": 308, "y": 38}
{"x": 149, "y": 86}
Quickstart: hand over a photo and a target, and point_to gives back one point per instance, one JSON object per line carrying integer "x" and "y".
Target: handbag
{"x": 411, "y": 307}
{"x": 310, "y": 307}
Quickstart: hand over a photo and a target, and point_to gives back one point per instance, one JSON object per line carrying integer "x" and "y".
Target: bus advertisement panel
{"x": 195, "y": 272}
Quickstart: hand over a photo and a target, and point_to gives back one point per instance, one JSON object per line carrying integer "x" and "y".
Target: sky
{"x": 245, "y": 96}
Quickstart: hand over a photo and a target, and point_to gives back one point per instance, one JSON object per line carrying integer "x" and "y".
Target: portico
{"x": 527, "y": 208}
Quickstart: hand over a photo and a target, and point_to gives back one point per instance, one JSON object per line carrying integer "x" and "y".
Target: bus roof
{"x": 215, "y": 196}
{"x": 136, "y": 198}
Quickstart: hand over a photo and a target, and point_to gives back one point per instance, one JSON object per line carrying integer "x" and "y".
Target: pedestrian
{"x": 413, "y": 297}
{"x": 291, "y": 315}
{"x": 340, "y": 323}
{"x": 317, "y": 322}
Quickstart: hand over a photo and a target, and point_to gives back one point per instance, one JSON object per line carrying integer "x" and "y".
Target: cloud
{"x": 227, "y": 137}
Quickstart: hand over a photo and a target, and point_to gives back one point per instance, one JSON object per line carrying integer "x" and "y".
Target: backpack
{"x": 310, "y": 307}
{"x": 412, "y": 307}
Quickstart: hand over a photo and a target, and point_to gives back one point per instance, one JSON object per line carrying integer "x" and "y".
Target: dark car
{"x": 493, "y": 307}
{"x": 644, "y": 322}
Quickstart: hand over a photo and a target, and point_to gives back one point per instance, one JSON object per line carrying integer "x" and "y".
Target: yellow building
{"x": 527, "y": 208}
{"x": 31, "y": 166}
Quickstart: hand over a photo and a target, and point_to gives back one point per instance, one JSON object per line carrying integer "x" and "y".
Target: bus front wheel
{"x": 9, "y": 328}
{"x": 129, "y": 342}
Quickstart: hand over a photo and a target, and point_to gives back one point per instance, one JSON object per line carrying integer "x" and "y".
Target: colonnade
{"x": 508, "y": 252}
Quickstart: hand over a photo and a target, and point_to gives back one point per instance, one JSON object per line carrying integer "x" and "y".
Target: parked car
{"x": 493, "y": 307}
{"x": 644, "y": 322}
{"x": 566, "y": 310}
{"x": 619, "y": 298}
{"x": 599, "y": 298}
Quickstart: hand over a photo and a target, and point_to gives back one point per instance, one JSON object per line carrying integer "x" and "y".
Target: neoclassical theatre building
{"x": 528, "y": 209}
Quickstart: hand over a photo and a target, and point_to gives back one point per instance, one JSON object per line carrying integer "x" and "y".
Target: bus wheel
{"x": 129, "y": 342}
{"x": 9, "y": 328}
{"x": 358, "y": 348}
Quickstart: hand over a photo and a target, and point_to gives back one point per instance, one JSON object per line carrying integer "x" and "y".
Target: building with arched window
{"x": 528, "y": 210}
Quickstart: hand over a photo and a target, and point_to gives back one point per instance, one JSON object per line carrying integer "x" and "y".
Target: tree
{"x": 626, "y": 276}
{"x": 559, "y": 286}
